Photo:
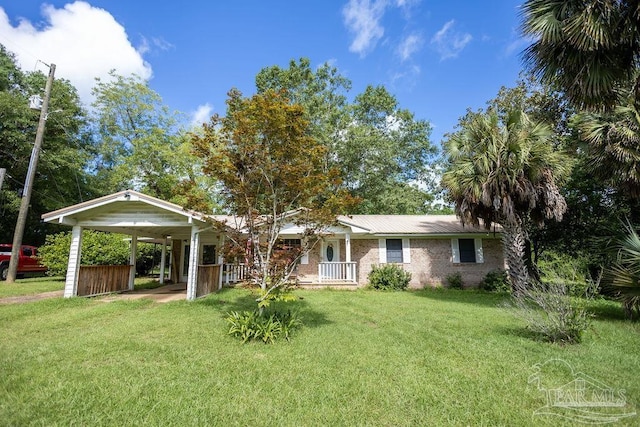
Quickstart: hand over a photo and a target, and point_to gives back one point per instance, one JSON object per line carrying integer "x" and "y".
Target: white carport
{"x": 143, "y": 217}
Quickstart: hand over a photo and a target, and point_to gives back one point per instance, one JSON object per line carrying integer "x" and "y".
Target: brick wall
{"x": 431, "y": 261}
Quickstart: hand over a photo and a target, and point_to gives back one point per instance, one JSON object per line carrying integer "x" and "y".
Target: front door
{"x": 331, "y": 251}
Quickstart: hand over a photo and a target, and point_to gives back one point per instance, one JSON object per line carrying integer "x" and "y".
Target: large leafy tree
{"x": 61, "y": 176}
{"x": 142, "y": 146}
{"x": 505, "y": 171}
{"x": 321, "y": 92}
{"x": 590, "y": 48}
{"x": 382, "y": 150}
{"x": 541, "y": 101}
{"x": 385, "y": 151}
{"x": 272, "y": 172}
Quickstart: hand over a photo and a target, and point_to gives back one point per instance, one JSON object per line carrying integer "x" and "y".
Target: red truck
{"x": 28, "y": 264}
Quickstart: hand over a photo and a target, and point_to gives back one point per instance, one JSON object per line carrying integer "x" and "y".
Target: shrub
{"x": 250, "y": 325}
{"x": 496, "y": 281}
{"x": 98, "y": 248}
{"x": 552, "y": 313}
{"x": 454, "y": 281}
{"x": 389, "y": 277}
{"x": 568, "y": 270}
{"x": 148, "y": 257}
{"x": 624, "y": 274}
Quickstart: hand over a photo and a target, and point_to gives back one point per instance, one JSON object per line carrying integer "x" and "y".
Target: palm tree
{"x": 614, "y": 145}
{"x": 625, "y": 273}
{"x": 590, "y": 48}
{"x": 504, "y": 172}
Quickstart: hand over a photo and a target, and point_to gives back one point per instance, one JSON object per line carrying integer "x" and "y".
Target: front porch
{"x": 329, "y": 273}
{"x": 332, "y": 273}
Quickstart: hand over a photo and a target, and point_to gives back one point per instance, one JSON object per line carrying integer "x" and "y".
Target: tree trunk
{"x": 531, "y": 261}
{"x": 514, "y": 242}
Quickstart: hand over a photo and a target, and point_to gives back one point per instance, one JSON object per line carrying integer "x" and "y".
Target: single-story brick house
{"x": 431, "y": 247}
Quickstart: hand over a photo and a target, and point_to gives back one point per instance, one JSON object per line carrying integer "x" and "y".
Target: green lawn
{"x": 362, "y": 358}
{"x": 31, "y": 286}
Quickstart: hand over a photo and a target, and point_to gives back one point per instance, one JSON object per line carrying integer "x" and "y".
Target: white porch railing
{"x": 234, "y": 273}
{"x": 337, "y": 272}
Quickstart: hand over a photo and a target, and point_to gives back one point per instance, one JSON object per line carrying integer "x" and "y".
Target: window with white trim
{"x": 395, "y": 251}
{"x": 467, "y": 251}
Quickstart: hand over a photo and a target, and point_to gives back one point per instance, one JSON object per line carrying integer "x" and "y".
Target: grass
{"x": 363, "y": 358}
{"x": 32, "y": 286}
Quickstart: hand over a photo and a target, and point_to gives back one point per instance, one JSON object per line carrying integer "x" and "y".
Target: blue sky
{"x": 438, "y": 58}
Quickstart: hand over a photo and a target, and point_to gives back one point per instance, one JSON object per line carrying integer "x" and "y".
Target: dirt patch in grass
{"x": 31, "y": 298}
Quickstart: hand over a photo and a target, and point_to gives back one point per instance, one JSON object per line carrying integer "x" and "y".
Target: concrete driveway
{"x": 166, "y": 293}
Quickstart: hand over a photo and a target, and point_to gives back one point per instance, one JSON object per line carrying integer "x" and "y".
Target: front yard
{"x": 362, "y": 358}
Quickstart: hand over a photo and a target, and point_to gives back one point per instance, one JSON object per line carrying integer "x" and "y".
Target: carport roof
{"x": 130, "y": 212}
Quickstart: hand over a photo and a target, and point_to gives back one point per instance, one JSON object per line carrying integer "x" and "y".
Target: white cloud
{"x": 362, "y": 17}
{"x": 201, "y": 115}
{"x": 410, "y": 45}
{"x": 448, "y": 42}
{"x": 518, "y": 45}
{"x": 407, "y": 7}
{"x": 405, "y": 79}
{"x": 158, "y": 43}
{"x": 162, "y": 44}
{"x": 83, "y": 41}
{"x": 144, "y": 46}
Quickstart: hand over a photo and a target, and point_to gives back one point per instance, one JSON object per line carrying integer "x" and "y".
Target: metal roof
{"x": 412, "y": 224}
{"x": 129, "y": 210}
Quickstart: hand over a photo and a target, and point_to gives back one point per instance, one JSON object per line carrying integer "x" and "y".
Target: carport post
{"x": 73, "y": 266}
{"x": 132, "y": 260}
{"x": 162, "y": 260}
{"x": 192, "y": 275}
{"x": 221, "y": 261}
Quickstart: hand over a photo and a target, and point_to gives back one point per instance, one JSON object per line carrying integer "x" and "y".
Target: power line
{"x": 23, "y": 50}
{"x": 39, "y": 193}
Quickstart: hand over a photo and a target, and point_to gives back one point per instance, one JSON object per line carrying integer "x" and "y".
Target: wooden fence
{"x": 102, "y": 279}
{"x": 208, "y": 279}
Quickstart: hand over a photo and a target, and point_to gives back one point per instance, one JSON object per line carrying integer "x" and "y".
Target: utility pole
{"x": 2, "y": 172}
{"x": 28, "y": 183}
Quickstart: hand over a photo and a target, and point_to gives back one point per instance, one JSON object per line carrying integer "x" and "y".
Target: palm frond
{"x": 504, "y": 170}
{"x": 588, "y": 47}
